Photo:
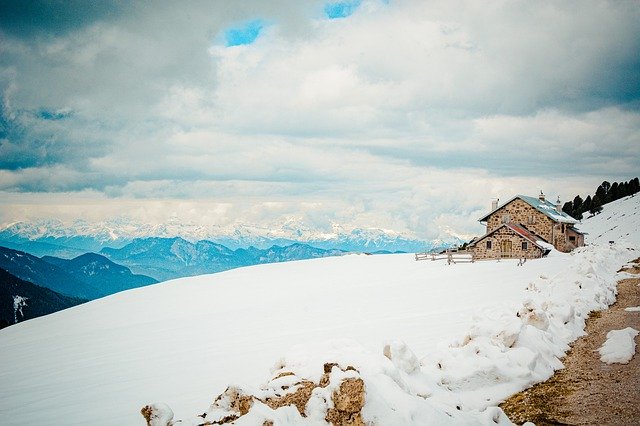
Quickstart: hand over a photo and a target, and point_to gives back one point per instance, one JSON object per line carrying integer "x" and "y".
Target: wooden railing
{"x": 462, "y": 256}
{"x": 451, "y": 256}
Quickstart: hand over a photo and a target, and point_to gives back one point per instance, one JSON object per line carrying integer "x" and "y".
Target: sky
{"x": 401, "y": 115}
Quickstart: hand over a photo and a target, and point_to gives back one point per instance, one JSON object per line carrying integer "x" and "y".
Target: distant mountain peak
{"x": 120, "y": 231}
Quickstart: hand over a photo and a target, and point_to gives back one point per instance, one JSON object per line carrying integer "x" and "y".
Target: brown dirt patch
{"x": 299, "y": 398}
{"x": 588, "y": 391}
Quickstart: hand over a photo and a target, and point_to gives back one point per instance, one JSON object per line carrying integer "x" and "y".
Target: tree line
{"x": 605, "y": 193}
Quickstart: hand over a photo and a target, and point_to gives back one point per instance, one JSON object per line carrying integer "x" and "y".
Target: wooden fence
{"x": 462, "y": 256}
{"x": 451, "y": 256}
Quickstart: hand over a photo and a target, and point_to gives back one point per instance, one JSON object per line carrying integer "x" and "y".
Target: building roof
{"x": 577, "y": 231}
{"x": 545, "y": 207}
{"x": 521, "y": 231}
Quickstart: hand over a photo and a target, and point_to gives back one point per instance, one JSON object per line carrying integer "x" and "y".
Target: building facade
{"x": 526, "y": 227}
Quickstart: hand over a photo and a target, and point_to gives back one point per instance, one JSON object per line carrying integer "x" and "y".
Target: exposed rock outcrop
{"x": 338, "y": 398}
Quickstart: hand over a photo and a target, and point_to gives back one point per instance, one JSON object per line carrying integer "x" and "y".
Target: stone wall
{"x": 520, "y": 212}
{"x": 578, "y": 239}
{"x": 481, "y": 251}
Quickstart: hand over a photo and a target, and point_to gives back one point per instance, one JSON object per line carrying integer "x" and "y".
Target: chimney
{"x": 494, "y": 204}
{"x": 558, "y": 205}
{"x": 541, "y": 196}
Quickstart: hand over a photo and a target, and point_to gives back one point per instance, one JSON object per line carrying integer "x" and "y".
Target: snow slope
{"x": 481, "y": 331}
{"x": 618, "y": 221}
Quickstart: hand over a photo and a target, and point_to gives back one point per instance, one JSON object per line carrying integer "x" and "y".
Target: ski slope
{"x": 482, "y": 331}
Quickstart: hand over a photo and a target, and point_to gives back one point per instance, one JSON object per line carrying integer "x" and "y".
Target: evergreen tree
{"x": 601, "y": 192}
{"x": 596, "y": 205}
{"x": 587, "y": 204}
{"x": 624, "y": 189}
{"x": 605, "y": 193}
{"x": 613, "y": 193}
{"x": 577, "y": 207}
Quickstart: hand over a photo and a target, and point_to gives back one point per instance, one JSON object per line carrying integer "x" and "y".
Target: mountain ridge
{"x": 118, "y": 232}
{"x": 100, "y": 272}
{"x": 21, "y": 300}
{"x": 169, "y": 258}
{"x": 35, "y": 270}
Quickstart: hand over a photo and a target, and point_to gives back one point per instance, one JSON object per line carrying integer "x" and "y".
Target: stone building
{"x": 526, "y": 227}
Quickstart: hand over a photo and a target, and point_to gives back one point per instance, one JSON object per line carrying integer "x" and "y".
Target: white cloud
{"x": 408, "y": 116}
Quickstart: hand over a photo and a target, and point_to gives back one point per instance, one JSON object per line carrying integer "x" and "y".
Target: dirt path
{"x": 588, "y": 391}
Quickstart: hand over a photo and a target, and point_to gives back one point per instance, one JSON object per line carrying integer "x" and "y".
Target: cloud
{"x": 409, "y": 115}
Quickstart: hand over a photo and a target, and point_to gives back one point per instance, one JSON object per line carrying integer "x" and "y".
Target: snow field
{"x": 458, "y": 338}
{"x": 619, "y": 221}
{"x": 182, "y": 342}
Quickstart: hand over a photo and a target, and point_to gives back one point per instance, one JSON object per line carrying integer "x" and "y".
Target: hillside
{"x": 100, "y": 272}
{"x": 35, "y": 270}
{"x": 619, "y": 221}
{"x": 21, "y": 300}
{"x": 170, "y": 258}
{"x": 479, "y": 332}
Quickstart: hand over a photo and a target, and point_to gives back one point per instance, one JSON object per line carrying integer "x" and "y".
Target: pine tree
{"x": 614, "y": 192}
{"x": 596, "y": 205}
{"x": 587, "y": 204}
{"x": 577, "y": 207}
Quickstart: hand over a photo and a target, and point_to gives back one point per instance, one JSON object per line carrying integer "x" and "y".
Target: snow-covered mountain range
{"x": 47, "y": 235}
{"x": 168, "y": 258}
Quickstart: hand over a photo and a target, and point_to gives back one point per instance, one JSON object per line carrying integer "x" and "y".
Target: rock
{"x": 348, "y": 402}
{"x": 157, "y": 414}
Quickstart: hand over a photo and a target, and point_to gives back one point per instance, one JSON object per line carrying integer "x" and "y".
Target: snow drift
{"x": 505, "y": 350}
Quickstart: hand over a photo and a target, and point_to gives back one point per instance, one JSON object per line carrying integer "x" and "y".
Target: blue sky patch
{"x": 341, "y": 9}
{"x": 246, "y": 33}
{"x": 47, "y": 114}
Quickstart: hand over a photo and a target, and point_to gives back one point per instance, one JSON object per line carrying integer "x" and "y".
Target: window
{"x": 572, "y": 238}
{"x": 531, "y": 220}
{"x": 563, "y": 228}
{"x": 488, "y": 244}
{"x": 506, "y": 218}
{"x": 525, "y": 245}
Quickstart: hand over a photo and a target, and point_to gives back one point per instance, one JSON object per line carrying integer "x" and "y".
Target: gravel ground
{"x": 588, "y": 391}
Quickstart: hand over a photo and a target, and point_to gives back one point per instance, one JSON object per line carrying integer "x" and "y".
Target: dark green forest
{"x": 605, "y": 193}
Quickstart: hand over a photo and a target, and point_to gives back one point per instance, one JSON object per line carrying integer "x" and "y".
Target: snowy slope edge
{"x": 507, "y": 349}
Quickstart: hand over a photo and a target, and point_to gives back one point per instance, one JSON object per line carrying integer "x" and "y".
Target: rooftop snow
{"x": 543, "y": 206}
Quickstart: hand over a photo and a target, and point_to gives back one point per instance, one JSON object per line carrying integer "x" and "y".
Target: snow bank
{"x": 619, "y": 347}
{"x": 507, "y": 349}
